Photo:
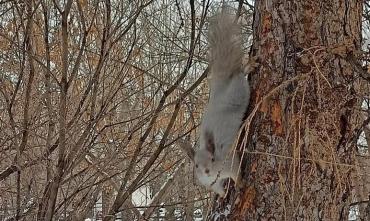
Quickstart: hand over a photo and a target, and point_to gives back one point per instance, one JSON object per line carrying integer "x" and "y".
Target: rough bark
{"x": 299, "y": 143}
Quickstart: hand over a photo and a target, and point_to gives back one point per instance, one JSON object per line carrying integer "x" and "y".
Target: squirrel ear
{"x": 210, "y": 143}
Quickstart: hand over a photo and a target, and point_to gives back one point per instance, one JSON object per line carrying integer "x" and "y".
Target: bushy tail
{"x": 225, "y": 46}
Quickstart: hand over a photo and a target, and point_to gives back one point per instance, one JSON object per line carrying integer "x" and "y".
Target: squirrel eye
{"x": 196, "y": 165}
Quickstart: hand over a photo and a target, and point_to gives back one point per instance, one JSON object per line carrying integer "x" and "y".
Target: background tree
{"x": 89, "y": 93}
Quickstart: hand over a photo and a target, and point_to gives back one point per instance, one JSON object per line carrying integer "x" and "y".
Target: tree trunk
{"x": 300, "y": 146}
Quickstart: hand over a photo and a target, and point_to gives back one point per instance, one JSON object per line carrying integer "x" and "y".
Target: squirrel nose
{"x": 207, "y": 171}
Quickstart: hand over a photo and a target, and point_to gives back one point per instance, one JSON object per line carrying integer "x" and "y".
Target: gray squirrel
{"x": 216, "y": 159}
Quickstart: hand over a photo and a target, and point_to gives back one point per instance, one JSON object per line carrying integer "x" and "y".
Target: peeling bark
{"x": 299, "y": 148}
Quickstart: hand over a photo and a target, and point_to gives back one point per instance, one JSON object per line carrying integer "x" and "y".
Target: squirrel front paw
{"x": 218, "y": 188}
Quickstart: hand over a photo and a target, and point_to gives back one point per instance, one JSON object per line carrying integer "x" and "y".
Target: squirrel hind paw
{"x": 250, "y": 64}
